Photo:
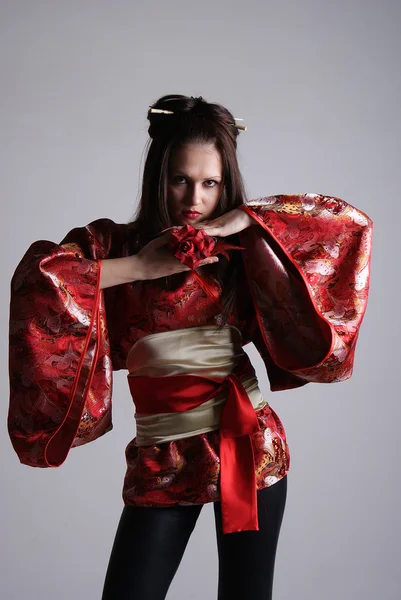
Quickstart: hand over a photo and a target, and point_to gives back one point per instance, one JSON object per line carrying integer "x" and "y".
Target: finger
{"x": 159, "y": 242}
{"x": 163, "y": 238}
{"x": 214, "y": 231}
{"x": 172, "y": 228}
{"x": 209, "y": 261}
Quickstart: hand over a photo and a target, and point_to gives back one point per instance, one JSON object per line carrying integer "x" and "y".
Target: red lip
{"x": 191, "y": 213}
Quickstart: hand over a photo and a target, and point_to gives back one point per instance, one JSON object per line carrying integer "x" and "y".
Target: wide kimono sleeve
{"x": 308, "y": 269}
{"x": 60, "y": 372}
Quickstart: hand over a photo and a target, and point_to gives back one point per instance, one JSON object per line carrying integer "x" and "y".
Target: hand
{"x": 156, "y": 260}
{"x": 231, "y": 222}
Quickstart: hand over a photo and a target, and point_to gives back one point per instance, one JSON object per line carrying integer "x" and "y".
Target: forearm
{"x": 116, "y": 271}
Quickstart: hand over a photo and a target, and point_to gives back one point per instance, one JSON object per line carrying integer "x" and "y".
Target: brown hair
{"x": 194, "y": 120}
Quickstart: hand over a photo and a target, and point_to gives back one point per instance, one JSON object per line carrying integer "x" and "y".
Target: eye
{"x": 178, "y": 180}
{"x": 212, "y": 181}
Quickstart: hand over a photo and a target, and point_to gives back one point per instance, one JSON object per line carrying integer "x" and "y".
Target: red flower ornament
{"x": 191, "y": 246}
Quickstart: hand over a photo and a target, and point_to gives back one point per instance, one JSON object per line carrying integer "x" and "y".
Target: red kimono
{"x": 307, "y": 266}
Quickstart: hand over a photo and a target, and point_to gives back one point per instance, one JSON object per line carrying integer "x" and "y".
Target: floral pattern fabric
{"x": 307, "y": 265}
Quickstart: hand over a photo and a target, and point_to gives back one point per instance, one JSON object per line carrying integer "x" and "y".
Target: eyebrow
{"x": 205, "y": 179}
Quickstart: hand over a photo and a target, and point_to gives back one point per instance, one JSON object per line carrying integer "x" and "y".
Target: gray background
{"x": 318, "y": 84}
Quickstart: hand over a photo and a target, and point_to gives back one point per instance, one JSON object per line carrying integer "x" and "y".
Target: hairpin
{"x": 170, "y": 112}
{"x": 159, "y": 111}
{"x": 242, "y": 127}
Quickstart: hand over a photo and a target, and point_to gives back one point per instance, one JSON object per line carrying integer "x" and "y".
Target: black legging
{"x": 150, "y": 543}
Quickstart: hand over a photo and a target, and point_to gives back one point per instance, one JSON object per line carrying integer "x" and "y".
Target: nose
{"x": 193, "y": 196}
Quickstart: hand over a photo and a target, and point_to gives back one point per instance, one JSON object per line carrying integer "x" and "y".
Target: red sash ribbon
{"x": 179, "y": 393}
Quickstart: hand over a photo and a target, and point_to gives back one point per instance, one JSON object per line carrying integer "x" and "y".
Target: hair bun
{"x": 190, "y": 115}
{"x": 172, "y": 111}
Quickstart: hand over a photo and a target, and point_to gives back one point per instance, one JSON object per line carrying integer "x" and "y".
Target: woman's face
{"x": 195, "y": 183}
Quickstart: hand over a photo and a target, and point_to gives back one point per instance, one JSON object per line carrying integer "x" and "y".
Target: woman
{"x": 289, "y": 273}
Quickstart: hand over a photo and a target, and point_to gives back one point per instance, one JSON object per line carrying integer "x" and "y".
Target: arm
{"x": 116, "y": 271}
{"x": 308, "y": 268}
{"x": 59, "y": 364}
{"x": 153, "y": 261}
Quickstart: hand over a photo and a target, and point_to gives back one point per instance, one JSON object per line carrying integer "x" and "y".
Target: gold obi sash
{"x": 201, "y": 351}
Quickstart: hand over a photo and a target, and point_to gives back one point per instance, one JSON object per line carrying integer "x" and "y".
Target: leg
{"x": 246, "y": 558}
{"x": 147, "y": 550}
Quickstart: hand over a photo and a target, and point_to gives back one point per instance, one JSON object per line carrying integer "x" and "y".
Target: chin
{"x": 188, "y": 221}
